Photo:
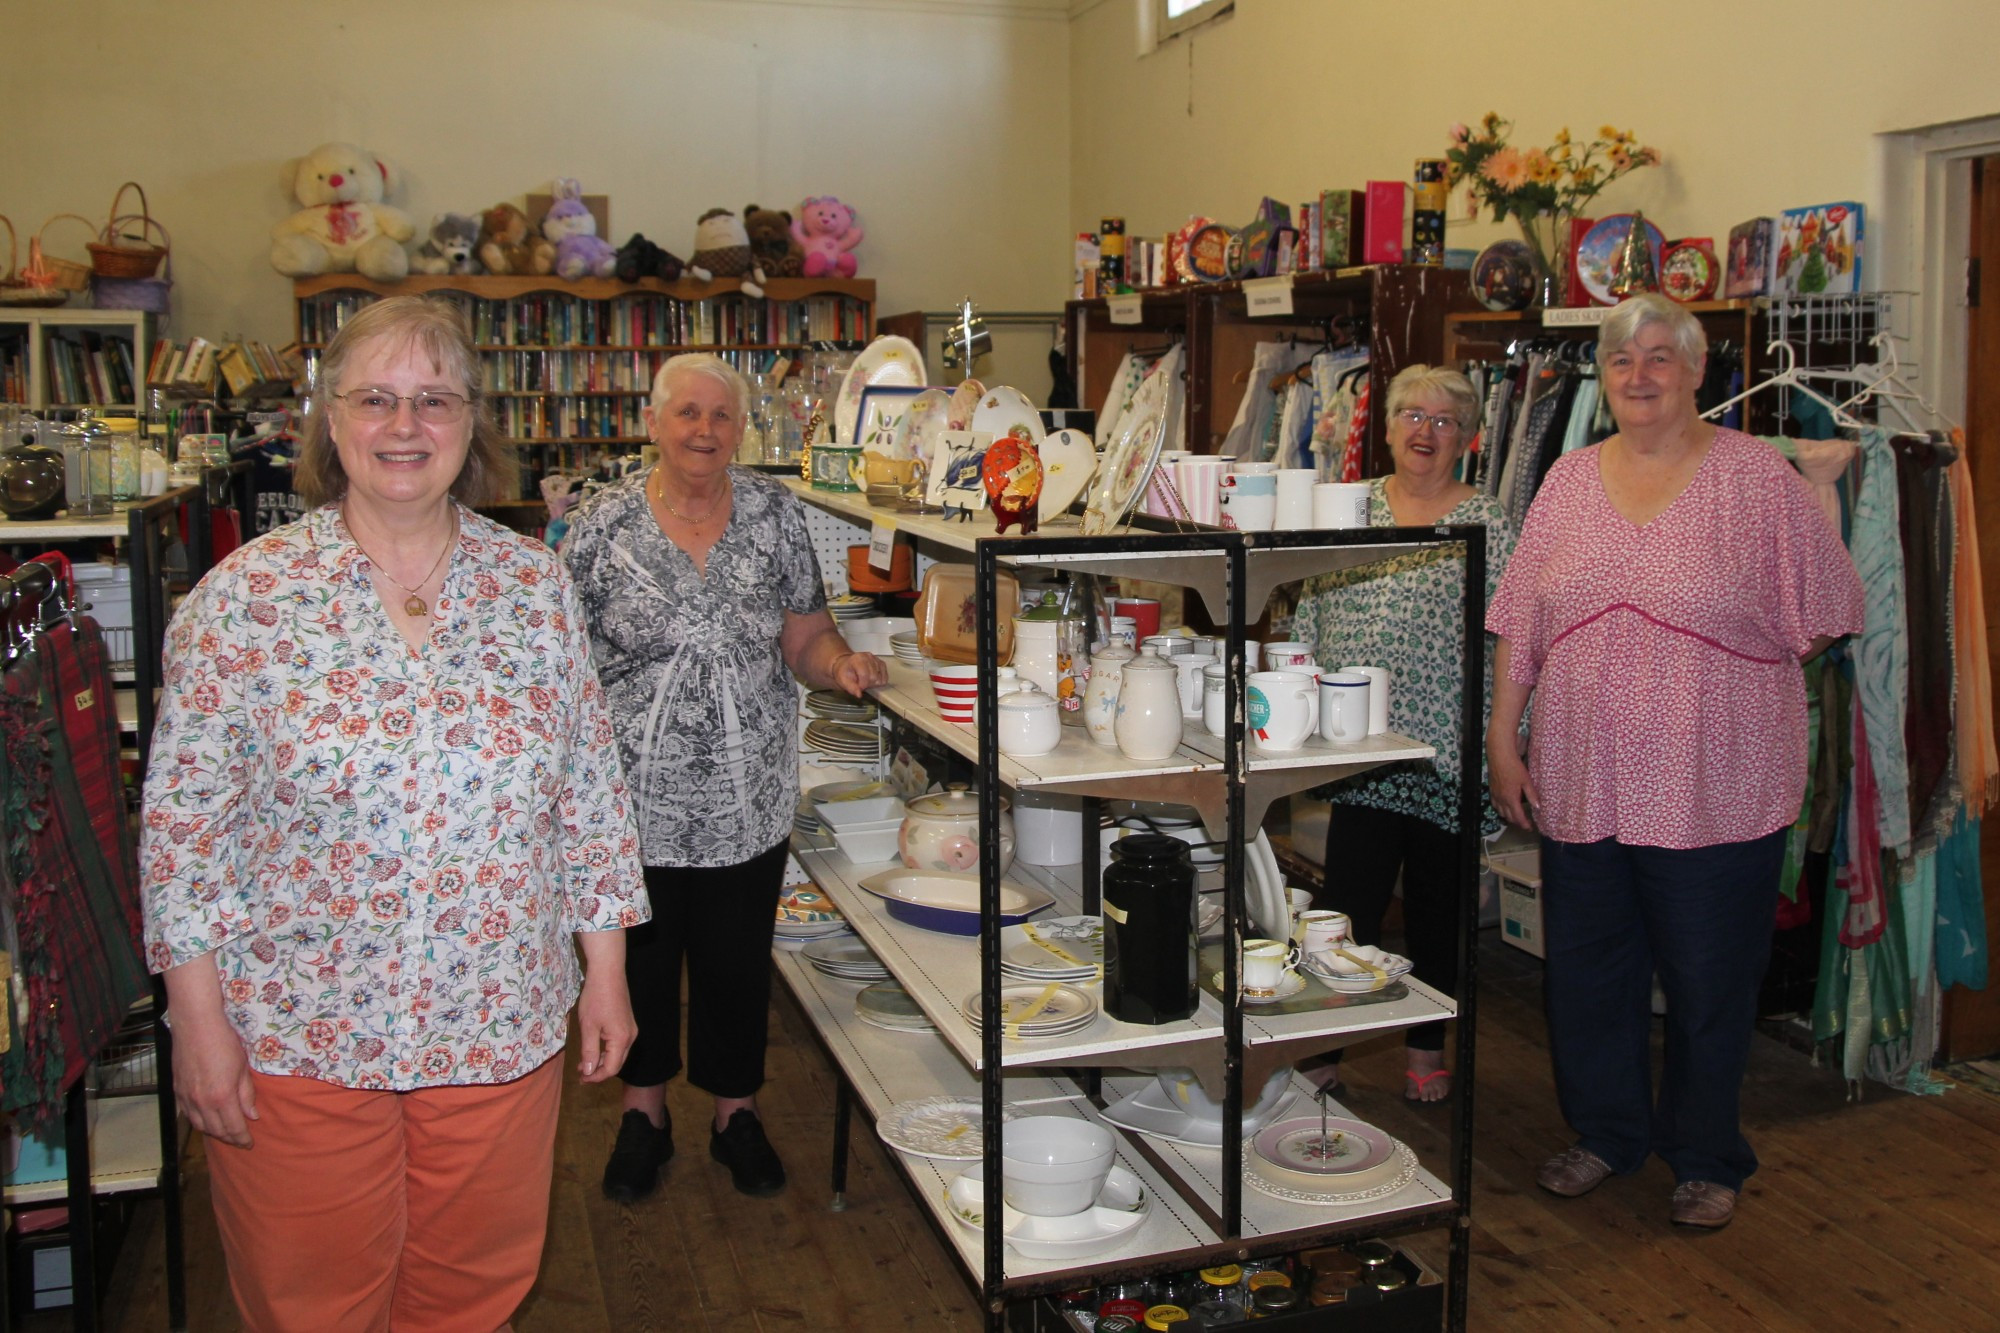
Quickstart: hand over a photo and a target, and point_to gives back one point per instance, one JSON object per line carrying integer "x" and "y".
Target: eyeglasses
{"x": 1415, "y": 420}
{"x": 433, "y": 409}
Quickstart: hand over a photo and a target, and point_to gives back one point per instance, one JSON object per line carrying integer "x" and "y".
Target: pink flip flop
{"x": 1418, "y": 1082}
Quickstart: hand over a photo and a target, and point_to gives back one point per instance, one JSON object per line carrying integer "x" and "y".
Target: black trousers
{"x": 718, "y": 920}
{"x": 1365, "y": 850}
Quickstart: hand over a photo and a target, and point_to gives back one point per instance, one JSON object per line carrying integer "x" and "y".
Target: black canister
{"x": 1149, "y": 944}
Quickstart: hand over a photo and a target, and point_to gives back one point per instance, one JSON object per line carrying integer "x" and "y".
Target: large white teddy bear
{"x": 343, "y": 224}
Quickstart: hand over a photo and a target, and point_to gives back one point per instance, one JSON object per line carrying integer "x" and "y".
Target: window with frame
{"x": 1171, "y": 18}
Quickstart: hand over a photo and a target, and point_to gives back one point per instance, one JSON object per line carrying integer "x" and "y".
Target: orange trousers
{"x": 367, "y": 1211}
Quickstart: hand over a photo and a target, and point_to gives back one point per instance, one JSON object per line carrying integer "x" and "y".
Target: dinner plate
{"x": 1007, "y": 411}
{"x": 887, "y": 360}
{"x": 1151, "y": 1112}
{"x": 848, "y": 954}
{"x": 1597, "y": 254}
{"x": 927, "y": 414}
{"x": 947, "y": 1129}
{"x": 808, "y": 930}
{"x": 1069, "y": 461}
{"x": 1125, "y": 382}
{"x": 964, "y": 401}
{"x": 1035, "y": 1009}
{"x": 1128, "y": 460}
{"x": 887, "y": 1004}
{"x": 1057, "y": 948}
{"x": 1334, "y": 1153}
{"x": 1121, "y": 1208}
{"x": 1405, "y": 1172}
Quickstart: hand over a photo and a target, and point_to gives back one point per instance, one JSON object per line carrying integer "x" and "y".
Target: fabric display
{"x": 1304, "y": 405}
{"x": 69, "y": 900}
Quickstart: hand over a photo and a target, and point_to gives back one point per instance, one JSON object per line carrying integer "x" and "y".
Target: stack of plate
{"x": 804, "y": 913}
{"x": 834, "y": 706}
{"x": 852, "y": 606}
{"x": 1331, "y": 1161}
{"x": 847, "y": 958}
{"x": 907, "y": 647}
{"x": 946, "y": 1128}
{"x": 1061, "y": 948}
{"x": 844, "y": 742}
{"x": 887, "y": 1005}
{"x": 1031, "y": 1011}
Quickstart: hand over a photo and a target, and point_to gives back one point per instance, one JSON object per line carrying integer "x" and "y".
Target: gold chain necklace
{"x": 414, "y": 605}
{"x": 727, "y": 486}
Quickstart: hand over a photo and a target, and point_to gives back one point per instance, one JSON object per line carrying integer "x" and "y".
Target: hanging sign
{"x": 1126, "y": 309}
{"x": 1268, "y": 296}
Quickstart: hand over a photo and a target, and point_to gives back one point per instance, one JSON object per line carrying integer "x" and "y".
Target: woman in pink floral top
{"x": 384, "y": 811}
{"x": 1666, "y": 587}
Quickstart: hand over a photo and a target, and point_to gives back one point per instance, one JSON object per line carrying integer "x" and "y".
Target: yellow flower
{"x": 1607, "y": 131}
{"x": 1562, "y": 135}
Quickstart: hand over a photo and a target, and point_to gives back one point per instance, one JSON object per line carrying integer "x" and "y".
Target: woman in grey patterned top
{"x": 704, "y": 600}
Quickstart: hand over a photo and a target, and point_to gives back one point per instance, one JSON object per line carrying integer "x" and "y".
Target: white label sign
{"x": 1127, "y": 309}
{"x": 1268, "y": 296}
{"x": 882, "y": 544}
{"x": 1575, "y": 316}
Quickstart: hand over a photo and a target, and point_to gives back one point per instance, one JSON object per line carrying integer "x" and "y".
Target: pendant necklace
{"x": 414, "y": 605}
{"x": 689, "y": 518}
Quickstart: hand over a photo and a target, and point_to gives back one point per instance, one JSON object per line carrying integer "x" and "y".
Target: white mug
{"x": 1166, "y": 645}
{"x": 1190, "y": 666}
{"x": 1340, "y": 504}
{"x": 1283, "y": 710}
{"x": 1124, "y": 632}
{"x": 1266, "y": 964}
{"x": 1215, "y": 697}
{"x": 1378, "y": 695}
{"x": 1287, "y": 654}
{"x": 1343, "y": 708}
{"x": 1320, "y": 931}
{"x": 1219, "y": 647}
{"x": 1295, "y": 497}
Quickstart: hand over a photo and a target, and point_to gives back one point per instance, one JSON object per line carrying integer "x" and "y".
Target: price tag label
{"x": 1127, "y": 309}
{"x": 881, "y": 544}
{"x": 1268, "y": 296}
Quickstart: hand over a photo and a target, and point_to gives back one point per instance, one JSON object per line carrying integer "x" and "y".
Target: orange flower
{"x": 1506, "y": 169}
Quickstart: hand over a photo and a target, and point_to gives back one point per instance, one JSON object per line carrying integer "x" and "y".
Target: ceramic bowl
{"x": 1185, "y": 1091}
{"x": 1054, "y": 1165}
{"x": 948, "y": 902}
{"x": 869, "y": 844}
{"x": 845, "y": 814}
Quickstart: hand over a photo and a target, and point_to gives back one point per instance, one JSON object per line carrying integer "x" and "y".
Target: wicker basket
{"x": 49, "y": 281}
{"x": 116, "y": 255}
{"x": 149, "y": 294}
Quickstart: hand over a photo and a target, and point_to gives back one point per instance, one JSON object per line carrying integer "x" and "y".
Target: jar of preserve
{"x": 1149, "y": 943}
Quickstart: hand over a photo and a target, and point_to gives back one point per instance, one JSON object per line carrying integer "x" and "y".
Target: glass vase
{"x": 1547, "y": 235}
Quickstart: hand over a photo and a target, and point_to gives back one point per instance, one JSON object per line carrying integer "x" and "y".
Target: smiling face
{"x": 1648, "y": 384}
{"x": 1420, "y": 449}
{"x": 698, "y": 427}
{"x": 398, "y": 462}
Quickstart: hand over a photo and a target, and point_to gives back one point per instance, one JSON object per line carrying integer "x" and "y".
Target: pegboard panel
{"x": 831, "y": 535}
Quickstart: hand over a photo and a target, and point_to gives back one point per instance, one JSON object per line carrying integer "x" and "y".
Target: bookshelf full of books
{"x": 61, "y": 360}
{"x": 569, "y": 365}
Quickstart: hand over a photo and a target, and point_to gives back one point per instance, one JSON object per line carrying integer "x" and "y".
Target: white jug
{"x": 1149, "y": 709}
{"x": 1100, "y": 696}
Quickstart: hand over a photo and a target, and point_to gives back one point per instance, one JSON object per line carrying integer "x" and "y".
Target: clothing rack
{"x": 1788, "y": 376}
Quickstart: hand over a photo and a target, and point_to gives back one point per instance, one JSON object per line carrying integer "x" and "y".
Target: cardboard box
{"x": 1340, "y": 218}
{"x": 1387, "y": 220}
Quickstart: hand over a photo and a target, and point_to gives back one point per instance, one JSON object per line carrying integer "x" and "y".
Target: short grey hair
{"x": 707, "y": 364}
{"x": 1421, "y": 381}
{"x": 1639, "y": 313}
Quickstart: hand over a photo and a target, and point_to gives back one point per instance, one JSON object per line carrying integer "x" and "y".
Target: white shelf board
{"x": 124, "y": 1152}
{"x": 1421, "y": 1005}
{"x": 884, "y": 1068}
{"x": 1200, "y": 1169}
{"x": 113, "y": 524}
{"x": 1383, "y": 748}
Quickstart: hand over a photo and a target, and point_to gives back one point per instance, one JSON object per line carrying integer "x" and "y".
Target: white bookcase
{"x": 36, "y": 342}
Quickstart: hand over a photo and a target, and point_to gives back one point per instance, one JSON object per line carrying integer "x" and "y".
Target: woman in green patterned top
{"x": 1403, "y": 614}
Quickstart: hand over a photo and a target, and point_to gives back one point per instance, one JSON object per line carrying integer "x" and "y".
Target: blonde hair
{"x": 1421, "y": 381}
{"x": 436, "y": 327}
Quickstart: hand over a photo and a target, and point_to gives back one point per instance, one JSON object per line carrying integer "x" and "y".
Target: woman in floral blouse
{"x": 704, "y": 601}
{"x": 384, "y": 810}
{"x": 1404, "y": 614}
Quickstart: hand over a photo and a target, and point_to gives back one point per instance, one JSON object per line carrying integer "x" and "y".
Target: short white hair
{"x": 706, "y": 364}
{"x": 1636, "y": 314}
{"x": 1422, "y": 381}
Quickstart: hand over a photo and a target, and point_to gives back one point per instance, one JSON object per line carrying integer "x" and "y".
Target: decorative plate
{"x": 1688, "y": 271}
{"x": 1065, "y": 945}
{"x": 1503, "y": 277}
{"x": 945, "y": 1128}
{"x": 928, "y": 413}
{"x": 1007, "y": 411}
{"x": 964, "y": 399}
{"x": 1129, "y": 459}
{"x": 887, "y": 360}
{"x": 1347, "y": 1149}
{"x": 1069, "y": 461}
{"x": 1406, "y": 1163}
{"x": 1597, "y": 254}
{"x": 879, "y": 418}
{"x": 1034, "y": 1007}
{"x": 807, "y": 904}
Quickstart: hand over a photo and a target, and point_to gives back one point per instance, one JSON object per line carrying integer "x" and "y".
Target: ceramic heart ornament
{"x": 1069, "y": 461}
{"x": 1012, "y": 472}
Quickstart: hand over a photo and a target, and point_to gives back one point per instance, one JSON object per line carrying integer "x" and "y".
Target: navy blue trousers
{"x": 1613, "y": 915}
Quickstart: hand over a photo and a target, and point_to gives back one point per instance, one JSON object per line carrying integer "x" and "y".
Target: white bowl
{"x": 1052, "y": 1165}
{"x": 847, "y": 814}
{"x": 866, "y": 844}
{"x": 1184, "y": 1090}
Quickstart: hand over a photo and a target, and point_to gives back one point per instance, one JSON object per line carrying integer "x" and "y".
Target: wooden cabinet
{"x": 1398, "y": 309}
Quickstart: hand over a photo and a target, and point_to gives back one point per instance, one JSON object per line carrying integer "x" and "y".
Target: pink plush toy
{"x": 826, "y": 229}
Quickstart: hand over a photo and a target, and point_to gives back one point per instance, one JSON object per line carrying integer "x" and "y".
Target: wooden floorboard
{"x": 1870, "y": 1214}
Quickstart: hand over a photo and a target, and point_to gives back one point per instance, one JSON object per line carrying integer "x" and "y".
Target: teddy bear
{"x": 827, "y": 231}
{"x": 640, "y": 258}
{"x": 506, "y": 245}
{"x": 722, "y": 250}
{"x": 342, "y": 225}
{"x": 771, "y": 242}
{"x": 449, "y": 247}
{"x": 570, "y": 227}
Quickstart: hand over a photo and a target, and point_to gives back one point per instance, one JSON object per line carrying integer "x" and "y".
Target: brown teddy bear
{"x": 506, "y": 245}
{"x": 771, "y": 242}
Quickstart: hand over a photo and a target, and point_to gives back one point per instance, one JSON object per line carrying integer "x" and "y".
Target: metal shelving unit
{"x": 1203, "y": 1214}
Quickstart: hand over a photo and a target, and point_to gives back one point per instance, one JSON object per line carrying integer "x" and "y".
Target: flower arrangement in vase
{"x": 1542, "y": 189}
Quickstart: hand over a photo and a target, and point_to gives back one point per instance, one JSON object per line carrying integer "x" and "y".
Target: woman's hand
{"x": 211, "y": 1070}
{"x": 856, "y": 672}
{"x": 1514, "y": 794}
{"x": 604, "y": 1012}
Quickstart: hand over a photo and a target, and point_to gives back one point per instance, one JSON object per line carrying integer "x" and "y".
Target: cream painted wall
{"x": 944, "y": 124}
{"x": 1758, "y": 105}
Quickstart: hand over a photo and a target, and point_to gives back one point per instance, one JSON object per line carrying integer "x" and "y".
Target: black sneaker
{"x": 634, "y": 1169}
{"x": 752, "y": 1162}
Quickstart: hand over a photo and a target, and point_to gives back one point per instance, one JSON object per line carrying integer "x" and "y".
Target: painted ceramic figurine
{"x": 1013, "y": 475}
